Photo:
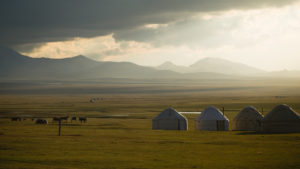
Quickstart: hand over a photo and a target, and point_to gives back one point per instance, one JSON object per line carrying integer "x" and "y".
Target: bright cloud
{"x": 99, "y": 48}
{"x": 155, "y": 26}
{"x": 267, "y": 38}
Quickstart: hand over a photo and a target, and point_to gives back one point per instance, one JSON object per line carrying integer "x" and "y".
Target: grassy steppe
{"x": 130, "y": 143}
{"x": 118, "y": 133}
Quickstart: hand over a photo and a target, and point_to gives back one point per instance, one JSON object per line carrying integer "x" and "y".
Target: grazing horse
{"x": 16, "y": 119}
{"x": 55, "y": 119}
{"x": 65, "y": 118}
{"x": 74, "y": 118}
{"x": 82, "y": 119}
{"x": 60, "y": 118}
{"x": 41, "y": 121}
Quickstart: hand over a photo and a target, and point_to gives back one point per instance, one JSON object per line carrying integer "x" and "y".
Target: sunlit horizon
{"x": 266, "y": 38}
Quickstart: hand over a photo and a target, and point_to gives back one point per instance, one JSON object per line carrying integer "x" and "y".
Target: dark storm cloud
{"x": 33, "y": 21}
{"x": 191, "y": 31}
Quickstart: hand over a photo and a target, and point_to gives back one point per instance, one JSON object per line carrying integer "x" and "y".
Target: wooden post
{"x": 59, "y": 127}
{"x": 223, "y": 109}
{"x": 262, "y": 110}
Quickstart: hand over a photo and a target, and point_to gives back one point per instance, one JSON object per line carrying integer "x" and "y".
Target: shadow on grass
{"x": 170, "y": 142}
{"x": 72, "y": 135}
{"x": 121, "y": 117}
{"x": 113, "y": 126}
{"x": 262, "y": 133}
{"x": 221, "y": 143}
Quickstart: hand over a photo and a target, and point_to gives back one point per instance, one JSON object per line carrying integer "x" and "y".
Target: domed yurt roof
{"x": 282, "y": 113}
{"x": 248, "y": 113}
{"x": 211, "y": 113}
{"x": 169, "y": 113}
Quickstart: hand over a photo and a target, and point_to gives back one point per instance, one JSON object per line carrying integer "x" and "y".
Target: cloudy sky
{"x": 260, "y": 33}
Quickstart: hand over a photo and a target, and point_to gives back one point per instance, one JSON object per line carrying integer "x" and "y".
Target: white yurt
{"x": 212, "y": 119}
{"x": 169, "y": 119}
{"x": 281, "y": 119}
{"x": 248, "y": 119}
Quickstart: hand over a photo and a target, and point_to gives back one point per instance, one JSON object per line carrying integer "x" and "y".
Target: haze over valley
{"x": 15, "y": 66}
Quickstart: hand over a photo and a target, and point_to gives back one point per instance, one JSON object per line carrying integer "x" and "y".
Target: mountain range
{"x": 215, "y": 65}
{"x": 14, "y": 66}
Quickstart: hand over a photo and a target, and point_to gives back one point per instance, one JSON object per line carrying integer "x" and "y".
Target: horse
{"x": 41, "y": 121}
{"x": 65, "y": 118}
{"x": 56, "y": 119}
{"x": 74, "y": 118}
{"x": 16, "y": 119}
{"x": 82, "y": 119}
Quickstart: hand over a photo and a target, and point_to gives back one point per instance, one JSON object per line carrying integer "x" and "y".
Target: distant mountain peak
{"x": 213, "y": 65}
{"x": 209, "y": 60}
{"x": 79, "y": 56}
{"x": 167, "y": 63}
{"x": 5, "y": 50}
{"x": 219, "y": 65}
{"x": 10, "y": 53}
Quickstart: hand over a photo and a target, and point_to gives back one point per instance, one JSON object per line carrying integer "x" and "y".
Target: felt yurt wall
{"x": 212, "y": 119}
{"x": 248, "y": 119}
{"x": 169, "y": 119}
{"x": 281, "y": 119}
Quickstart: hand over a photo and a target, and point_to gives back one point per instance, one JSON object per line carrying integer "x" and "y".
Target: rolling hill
{"x": 16, "y": 66}
{"x": 171, "y": 66}
{"x": 213, "y": 65}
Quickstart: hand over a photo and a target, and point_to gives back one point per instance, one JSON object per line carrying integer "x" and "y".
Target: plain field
{"x": 118, "y": 132}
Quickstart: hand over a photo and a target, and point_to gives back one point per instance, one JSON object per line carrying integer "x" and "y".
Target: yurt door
{"x": 220, "y": 125}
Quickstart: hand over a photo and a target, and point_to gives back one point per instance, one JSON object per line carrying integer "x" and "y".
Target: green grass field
{"x": 118, "y": 132}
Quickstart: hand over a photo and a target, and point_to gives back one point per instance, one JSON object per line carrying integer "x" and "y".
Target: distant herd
{"x": 54, "y": 119}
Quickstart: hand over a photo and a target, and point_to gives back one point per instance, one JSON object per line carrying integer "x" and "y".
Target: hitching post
{"x": 59, "y": 127}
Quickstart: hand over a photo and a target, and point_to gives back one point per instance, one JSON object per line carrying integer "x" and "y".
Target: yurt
{"x": 169, "y": 119}
{"x": 281, "y": 119}
{"x": 212, "y": 119}
{"x": 249, "y": 119}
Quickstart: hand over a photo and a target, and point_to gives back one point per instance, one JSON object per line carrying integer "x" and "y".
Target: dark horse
{"x": 60, "y": 118}
{"x": 74, "y": 118}
{"x": 82, "y": 119}
{"x": 16, "y": 119}
{"x": 65, "y": 118}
